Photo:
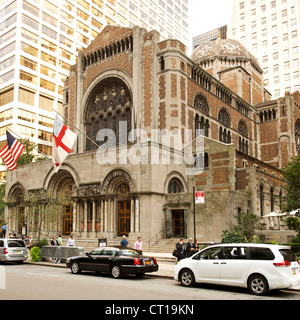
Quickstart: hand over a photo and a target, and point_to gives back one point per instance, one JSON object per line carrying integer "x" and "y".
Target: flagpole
{"x": 95, "y": 143}
{"x": 33, "y": 147}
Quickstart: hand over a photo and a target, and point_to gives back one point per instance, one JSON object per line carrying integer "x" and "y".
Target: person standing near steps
{"x": 138, "y": 245}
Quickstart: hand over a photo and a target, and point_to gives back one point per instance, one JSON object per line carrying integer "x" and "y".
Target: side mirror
{"x": 87, "y": 253}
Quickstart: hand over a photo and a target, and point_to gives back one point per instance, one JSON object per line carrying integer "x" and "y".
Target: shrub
{"x": 292, "y": 222}
{"x": 232, "y": 237}
{"x": 35, "y": 254}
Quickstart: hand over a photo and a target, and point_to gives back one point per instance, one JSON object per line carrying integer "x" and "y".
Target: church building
{"x": 130, "y": 90}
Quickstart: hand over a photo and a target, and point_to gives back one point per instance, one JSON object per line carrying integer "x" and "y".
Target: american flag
{"x": 11, "y": 152}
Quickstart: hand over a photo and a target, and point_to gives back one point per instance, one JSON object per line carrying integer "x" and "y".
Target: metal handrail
{"x": 149, "y": 242}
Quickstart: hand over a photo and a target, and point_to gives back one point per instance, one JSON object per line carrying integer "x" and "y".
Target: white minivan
{"x": 258, "y": 267}
{"x": 12, "y": 250}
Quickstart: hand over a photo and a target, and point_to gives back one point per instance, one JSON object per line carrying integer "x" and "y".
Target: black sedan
{"x": 114, "y": 260}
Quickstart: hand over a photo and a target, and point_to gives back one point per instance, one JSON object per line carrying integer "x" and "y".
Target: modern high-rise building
{"x": 270, "y": 30}
{"x": 39, "y": 41}
{"x": 210, "y": 35}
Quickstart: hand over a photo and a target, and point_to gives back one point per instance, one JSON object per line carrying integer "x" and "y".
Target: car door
{"x": 90, "y": 262}
{"x": 234, "y": 265}
{"x": 208, "y": 266}
{"x": 105, "y": 259}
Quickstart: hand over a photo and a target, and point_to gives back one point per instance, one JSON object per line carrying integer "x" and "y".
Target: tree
{"x": 28, "y": 154}
{"x": 45, "y": 210}
{"x": 247, "y": 224}
{"x": 291, "y": 173}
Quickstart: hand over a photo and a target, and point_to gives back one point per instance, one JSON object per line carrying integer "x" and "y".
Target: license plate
{"x": 147, "y": 262}
{"x": 18, "y": 251}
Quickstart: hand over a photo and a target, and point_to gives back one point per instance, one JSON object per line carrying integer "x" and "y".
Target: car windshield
{"x": 288, "y": 255}
{"x": 15, "y": 243}
{"x": 128, "y": 252}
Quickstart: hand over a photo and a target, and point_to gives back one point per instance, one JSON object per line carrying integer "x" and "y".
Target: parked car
{"x": 258, "y": 267}
{"x": 12, "y": 250}
{"x": 115, "y": 260}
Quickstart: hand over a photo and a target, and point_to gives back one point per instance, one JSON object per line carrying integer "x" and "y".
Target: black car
{"x": 114, "y": 260}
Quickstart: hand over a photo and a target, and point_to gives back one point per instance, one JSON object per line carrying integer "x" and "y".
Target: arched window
{"x": 242, "y": 128}
{"x": 109, "y": 104}
{"x": 224, "y": 117}
{"x": 201, "y": 126}
{"x": 224, "y": 135}
{"x": 175, "y": 186}
{"x": 201, "y": 104}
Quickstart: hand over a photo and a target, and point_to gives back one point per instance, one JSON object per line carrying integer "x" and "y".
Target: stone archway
{"x": 121, "y": 212}
{"x": 17, "y": 209}
{"x": 60, "y": 187}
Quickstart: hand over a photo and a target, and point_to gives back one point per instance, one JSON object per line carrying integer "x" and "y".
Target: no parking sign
{"x": 199, "y": 197}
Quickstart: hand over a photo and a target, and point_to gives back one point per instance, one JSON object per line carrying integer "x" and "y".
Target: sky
{"x": 206, "y": 15}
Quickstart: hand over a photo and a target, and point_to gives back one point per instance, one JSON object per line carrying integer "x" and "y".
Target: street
{"x": 51, "y": 283}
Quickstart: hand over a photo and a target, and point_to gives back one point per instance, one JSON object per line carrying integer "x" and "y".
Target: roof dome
{"x": 226, "y": 48}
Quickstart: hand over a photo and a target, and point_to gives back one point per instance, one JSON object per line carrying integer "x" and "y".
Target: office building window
{"x": 6, "y": 97}
{"x": 26, "y": 97}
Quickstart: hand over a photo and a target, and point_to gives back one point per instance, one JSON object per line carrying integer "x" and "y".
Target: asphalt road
{"x": 33, "y": 282}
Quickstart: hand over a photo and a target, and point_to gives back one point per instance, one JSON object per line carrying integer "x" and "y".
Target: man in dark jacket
{"x": 180, "y": 248}
{"x": 190, "y": 250}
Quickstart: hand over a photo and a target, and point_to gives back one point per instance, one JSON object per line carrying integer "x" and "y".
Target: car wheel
{"x": 187, "y": 278}
{"x": 75, "y": 268}
{"x": 116, "y": 271}
{"x": 258, "y": 285}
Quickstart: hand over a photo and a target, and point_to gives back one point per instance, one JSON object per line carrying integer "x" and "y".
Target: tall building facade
{"x": 210, "y": 35}
{"x": 270, "y": 30}
{"x": 39, "y": 42}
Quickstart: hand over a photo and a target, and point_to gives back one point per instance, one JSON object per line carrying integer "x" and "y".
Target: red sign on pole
{"x": 199, "y": 197}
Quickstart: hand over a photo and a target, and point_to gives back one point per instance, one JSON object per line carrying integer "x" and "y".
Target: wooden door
{"x": 124, "y": 218}
{"x": 178, "y": 223}
{"x": 68, "y": 220}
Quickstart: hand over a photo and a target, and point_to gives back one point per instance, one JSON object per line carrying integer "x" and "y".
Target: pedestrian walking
{"x": 138, "y": 245}
{"x": 3, "y": 230}
{"x": 59, "y": 240}
{"x": 190, "y": 250}
{"x": 71, "y": 242}
{"x": 124, "y": 242}
{"x": 54, "y": 242}
{"x": 180, "y": 250}
{"x": 29, "y": 243}
{"x": 196, "y": 246}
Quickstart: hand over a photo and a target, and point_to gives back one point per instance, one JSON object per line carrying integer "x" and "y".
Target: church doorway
{"x": 68, "y": 220}
{"x": 178, "y": 223}
{"x": 124, "y": 214}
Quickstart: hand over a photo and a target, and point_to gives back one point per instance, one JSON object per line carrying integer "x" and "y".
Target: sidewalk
{"x": 165, "y": 270}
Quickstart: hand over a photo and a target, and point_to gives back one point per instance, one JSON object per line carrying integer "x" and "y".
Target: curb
{"x": 63, "y": 265}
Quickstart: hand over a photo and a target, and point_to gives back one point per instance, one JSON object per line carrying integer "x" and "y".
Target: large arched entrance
{"x": 60, "y": 187}
{"x": 123, "y": 202}
{"x": 17, "y": 215}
